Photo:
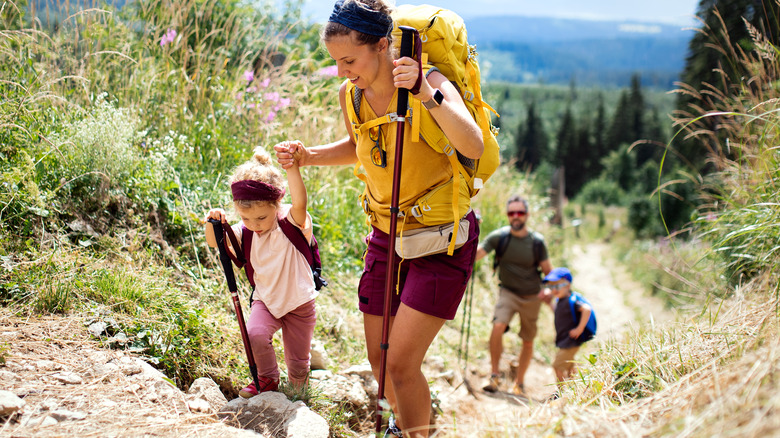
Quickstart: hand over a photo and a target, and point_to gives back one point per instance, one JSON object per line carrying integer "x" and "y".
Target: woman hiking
{"x": 430, "y": 288}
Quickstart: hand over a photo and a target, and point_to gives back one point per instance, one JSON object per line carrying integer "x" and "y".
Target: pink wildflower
{"x": 265, "y": 83}
{"x": 330, "y": 70}
{"x": 270, "y": 117}
{"x": 249, "y": 75}
{"x": 274, "y": 96}
{"x": 169, "y": 37}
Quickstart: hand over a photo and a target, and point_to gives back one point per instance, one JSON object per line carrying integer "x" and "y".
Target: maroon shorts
{"x": 433, "y": 285}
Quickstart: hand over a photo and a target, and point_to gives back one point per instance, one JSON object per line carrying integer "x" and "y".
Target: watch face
{"x": 438, "y": 97}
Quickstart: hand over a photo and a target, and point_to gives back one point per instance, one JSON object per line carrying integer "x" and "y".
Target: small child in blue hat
{"x": 567, "y": 339}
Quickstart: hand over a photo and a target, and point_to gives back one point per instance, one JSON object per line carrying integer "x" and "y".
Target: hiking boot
{"x": 519, "y": 390}
{"x": 493, "y": 384}
{"x": 266, "y": 384}
{"x": 392, "y": 429}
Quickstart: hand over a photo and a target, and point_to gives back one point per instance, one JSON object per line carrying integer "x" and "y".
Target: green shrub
{"x": 601, "y": 191}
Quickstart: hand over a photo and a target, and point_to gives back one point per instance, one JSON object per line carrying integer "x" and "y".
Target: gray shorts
{"x": 527, "y": 306}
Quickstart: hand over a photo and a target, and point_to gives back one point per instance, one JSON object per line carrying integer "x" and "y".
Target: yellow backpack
{"x": 445, "y": 47}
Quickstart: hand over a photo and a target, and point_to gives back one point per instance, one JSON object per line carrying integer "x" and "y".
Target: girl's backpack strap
{"x": 246, "y": 240}
{"x": 297, "y": 238}
{"x": 236, "y": 255}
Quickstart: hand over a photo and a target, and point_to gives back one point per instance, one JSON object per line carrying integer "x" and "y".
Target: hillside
{"x": 604, "y": 53}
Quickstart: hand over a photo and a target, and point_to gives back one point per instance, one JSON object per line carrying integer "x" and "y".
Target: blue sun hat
{"x": 558, "y": 274}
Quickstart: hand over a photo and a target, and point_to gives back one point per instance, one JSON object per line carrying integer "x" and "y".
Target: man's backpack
{"x": 536, "y": 243}
{"x": 444, "y": 46}
{"x": 590, "y": 327}
{"x": 310, "y": 251}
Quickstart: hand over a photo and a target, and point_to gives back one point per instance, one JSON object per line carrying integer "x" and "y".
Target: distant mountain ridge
{"x": 554, "y": 50}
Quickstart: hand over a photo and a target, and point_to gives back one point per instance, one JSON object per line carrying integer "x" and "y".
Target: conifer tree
{"x": 532, "y": 144}
{"x": 712, "y": 53}
{"x": 599, "y": 145}
{"x": 620, "y": 129}
{"x": 636, "y": 110}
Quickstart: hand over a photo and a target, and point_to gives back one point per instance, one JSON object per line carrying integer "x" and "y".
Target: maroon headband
{"x": 251, "y": 190}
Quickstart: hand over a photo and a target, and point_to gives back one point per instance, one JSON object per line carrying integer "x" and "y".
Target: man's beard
{"x": 517, "y": 227}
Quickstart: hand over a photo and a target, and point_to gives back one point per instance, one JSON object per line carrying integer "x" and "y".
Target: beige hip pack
{"x": 426, "y": 241}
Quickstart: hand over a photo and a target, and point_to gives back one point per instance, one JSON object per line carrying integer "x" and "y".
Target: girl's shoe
{"x": 266, "y": 384}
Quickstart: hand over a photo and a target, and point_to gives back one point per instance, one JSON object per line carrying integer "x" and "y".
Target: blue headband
{"x": 364, "y": 20}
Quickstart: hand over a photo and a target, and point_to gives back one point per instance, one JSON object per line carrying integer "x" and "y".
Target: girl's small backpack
{"x": 590, "y": 327}
{"x": 310, "y": 251}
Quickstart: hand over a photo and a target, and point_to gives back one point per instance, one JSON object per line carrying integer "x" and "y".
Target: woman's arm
{"x": 452, "y": 115}
{"x": 340, "y": 152}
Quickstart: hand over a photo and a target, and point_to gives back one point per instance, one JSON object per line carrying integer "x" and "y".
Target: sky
{"x": 680, "y": 12}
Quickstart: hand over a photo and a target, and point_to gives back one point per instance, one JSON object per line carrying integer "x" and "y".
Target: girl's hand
{"x": 217, "y": 213}
{"x": 575, "y": 332}
{"x": 290, "y": 153}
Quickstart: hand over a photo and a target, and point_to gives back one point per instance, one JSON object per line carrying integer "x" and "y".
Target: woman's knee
{"x": 401, "y": 370}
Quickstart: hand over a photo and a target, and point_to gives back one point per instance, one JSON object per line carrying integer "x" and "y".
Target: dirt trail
{"x": 619, "y": 302}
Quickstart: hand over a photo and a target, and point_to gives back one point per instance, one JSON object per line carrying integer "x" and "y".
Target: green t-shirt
{"x": 516, "y": 270}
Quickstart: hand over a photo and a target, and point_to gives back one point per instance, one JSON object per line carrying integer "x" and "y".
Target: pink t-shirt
{"x": 283, "y": 279}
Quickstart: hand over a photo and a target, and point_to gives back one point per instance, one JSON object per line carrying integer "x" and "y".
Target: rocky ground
{"x": 56, "y": 381}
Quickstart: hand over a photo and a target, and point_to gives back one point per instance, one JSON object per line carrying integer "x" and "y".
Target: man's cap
{"x": 558, "y": 274}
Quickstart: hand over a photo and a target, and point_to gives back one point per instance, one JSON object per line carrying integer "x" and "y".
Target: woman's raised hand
{"x": 289, "y": 153}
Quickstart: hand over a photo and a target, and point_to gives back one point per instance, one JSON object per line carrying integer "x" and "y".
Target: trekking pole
{"x": 227, "y": 266}
{"x": 408, "y": 34}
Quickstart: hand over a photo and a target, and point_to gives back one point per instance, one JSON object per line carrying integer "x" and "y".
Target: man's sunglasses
{"x": 517, "y": 213}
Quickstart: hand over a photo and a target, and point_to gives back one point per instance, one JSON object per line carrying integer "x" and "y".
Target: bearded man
{"x": 521, "y": 257}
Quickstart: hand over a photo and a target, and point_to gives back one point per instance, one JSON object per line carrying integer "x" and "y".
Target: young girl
{"x": 358, "y": 37}
{"x": 284, "y": 289}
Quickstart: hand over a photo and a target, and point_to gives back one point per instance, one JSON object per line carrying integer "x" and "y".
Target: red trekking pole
{"x": 409, "y": 35}
{"x": 227, "y": 266}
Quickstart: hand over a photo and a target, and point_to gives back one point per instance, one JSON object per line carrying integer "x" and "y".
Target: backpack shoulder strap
{"x": 537, "y": 243}
{"x": 503, "y": 244}
{"x": 246, "y": 244}
{"x": 573, "y": 298}
{"x": 298, "y": 240}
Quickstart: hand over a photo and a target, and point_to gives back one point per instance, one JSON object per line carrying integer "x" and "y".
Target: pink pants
{"x": 297, "y": 330}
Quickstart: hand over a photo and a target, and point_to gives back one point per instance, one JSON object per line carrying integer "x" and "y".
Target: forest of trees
{"x": 611, "y": 152}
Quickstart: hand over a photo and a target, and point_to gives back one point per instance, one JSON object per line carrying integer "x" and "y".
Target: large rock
{"x": 9, "y": 403}
{"x": 207, "y": 390}
{"x": 319, "y": 356}
{"x": 349, "y": 388}
{"x": 271, "y": 413}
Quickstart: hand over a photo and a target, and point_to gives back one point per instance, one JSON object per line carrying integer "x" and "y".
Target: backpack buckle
{"x": 418, "y": 209}
{"x": 448, "y": 150}
{"x": 394, "y": 117}
{"x": 468, "y": 95}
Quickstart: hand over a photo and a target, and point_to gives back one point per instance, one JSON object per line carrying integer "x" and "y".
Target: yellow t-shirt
{"x": 422, "y": 169}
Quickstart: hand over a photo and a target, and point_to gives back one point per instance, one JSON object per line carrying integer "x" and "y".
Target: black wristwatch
{"x": 436, "y": 99}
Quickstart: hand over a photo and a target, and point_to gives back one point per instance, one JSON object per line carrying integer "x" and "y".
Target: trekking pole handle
{"x": 408, "y": 35}
{"x": 224, "y": 258}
